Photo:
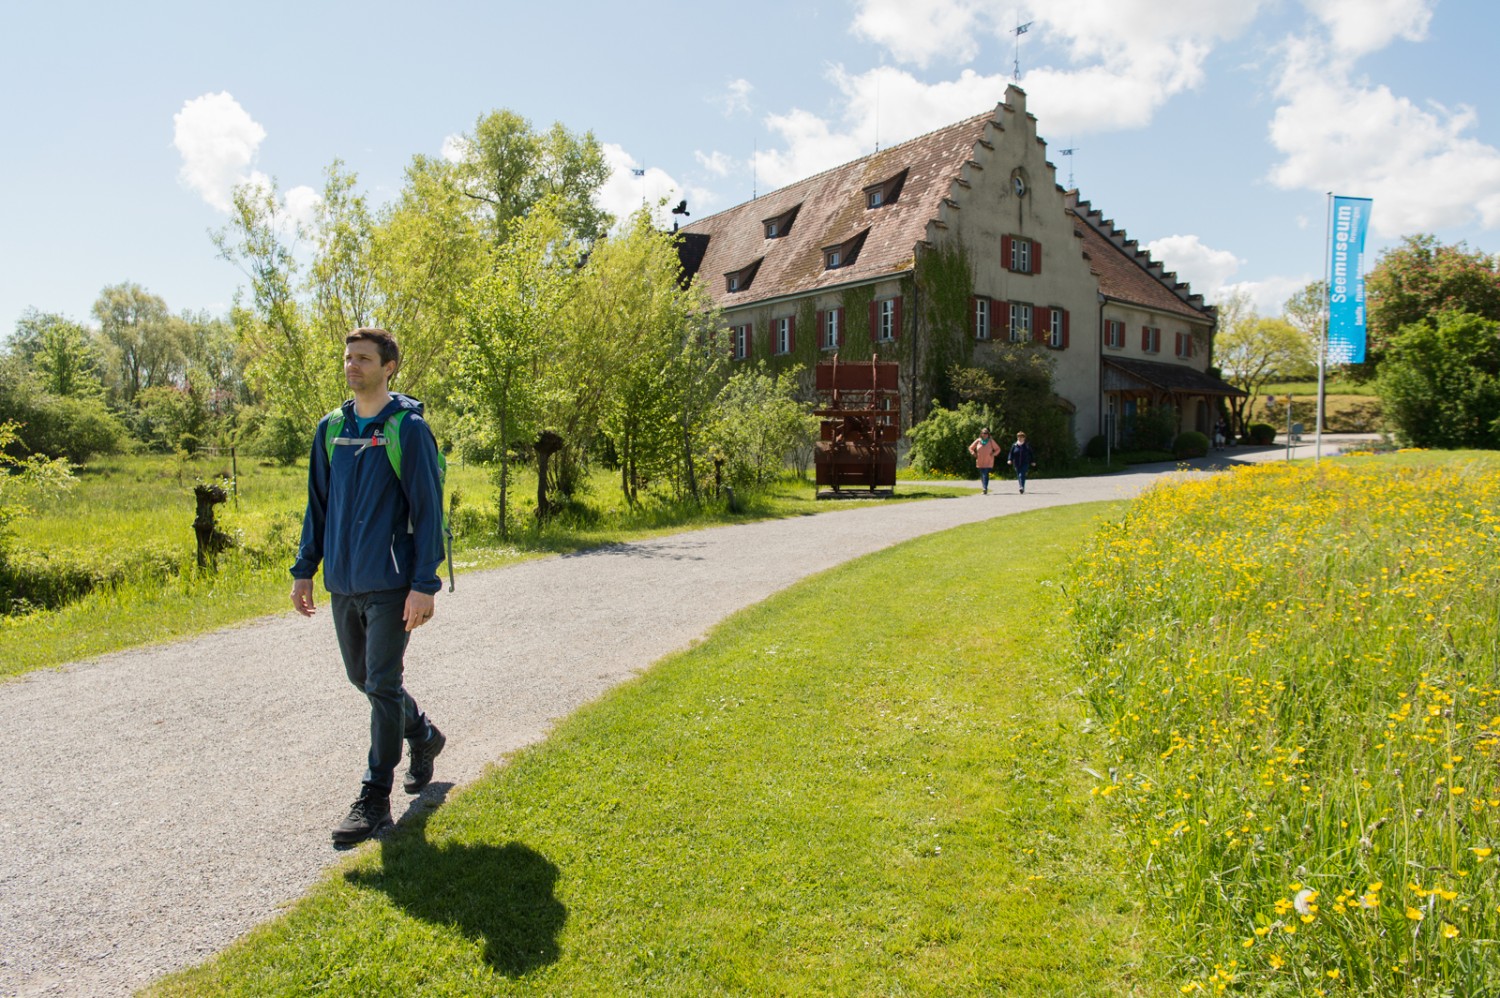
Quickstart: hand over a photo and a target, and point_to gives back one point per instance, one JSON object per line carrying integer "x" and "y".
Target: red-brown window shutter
{"x": 1065, "y": 329}
{"x": 819, "y": 325}
{"x": 1146, "y": 338}
{"x": 1041, "y": 324}
{"x": 896, "y": 319}
{"x": 1036, "y": 257}
{"x": 1005, "y": 258}
{"x": 1000, "y": 327}
{"x": 791, "y": 334}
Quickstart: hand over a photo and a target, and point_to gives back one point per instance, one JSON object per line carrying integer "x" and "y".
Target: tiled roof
{"x": 1172, "y": 377}
{"x": 1127, "y": 272}
{"x": 833, "y": 211}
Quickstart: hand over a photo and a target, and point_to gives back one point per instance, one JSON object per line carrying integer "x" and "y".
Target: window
{"x": 886, "y": 192}
{"x": 739, "y": 280}
{"x": 783, "y": 330}
{"x": 830, "y": 326}
{"x": 1151, "y": 339}
{"x": 778, "y": 226}
{"x": 981, "y": 318}
{"x": 1021, "y": 255}
{"x": 1114, "y": 334}
{"x": 885, "y": 320}
{"x": 1020, "y": 322}
{"x": 739, "y": 337}
{"x": 1184, "y": 344}
{"x": 1057, "y": 328}
{"x": 845, "y": 253}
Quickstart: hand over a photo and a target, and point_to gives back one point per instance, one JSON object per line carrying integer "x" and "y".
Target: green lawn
{"x": 813, "y": 801}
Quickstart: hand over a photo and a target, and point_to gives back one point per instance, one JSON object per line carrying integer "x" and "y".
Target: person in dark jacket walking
{"x": 378, "y": 536}
{"x": 1021, "y": 458}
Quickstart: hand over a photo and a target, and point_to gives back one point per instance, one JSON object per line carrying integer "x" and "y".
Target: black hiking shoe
{"x": 422, "y": 753}
{"x": 367, "y": 816}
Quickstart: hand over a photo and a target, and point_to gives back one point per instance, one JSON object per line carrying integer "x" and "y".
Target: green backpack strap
{"x": 393, "y": 439}
{"x": 332, "y": 431}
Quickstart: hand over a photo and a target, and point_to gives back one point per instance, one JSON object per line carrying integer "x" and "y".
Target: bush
{"x": 281, "y": 437}
{"x": 1096, "y": 448}
{"x": 1261, "y": 434}
{"x": 1151, "y": 429}
{"x": 941, "y": 441}
{"x": 1189, "y": 443}
{"x": 1440, "y": 382}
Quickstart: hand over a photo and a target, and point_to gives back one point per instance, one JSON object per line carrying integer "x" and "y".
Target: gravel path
{"x": 160, "y": 802}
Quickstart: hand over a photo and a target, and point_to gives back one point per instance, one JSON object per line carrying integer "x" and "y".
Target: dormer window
{"x": 778, "y": 226}
{"x": 739, "y": 280}
{"x": 885, "y": 192}
{"x": 844, "y": 254}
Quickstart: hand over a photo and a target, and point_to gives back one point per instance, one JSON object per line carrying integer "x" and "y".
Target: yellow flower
{"x": 1450, "y": 931}
{"x": 1415, "y": 914}
{"x": 1333, "y": 974}
{"x": 1483, "y": 852}
{"x": 1276, "y": 961}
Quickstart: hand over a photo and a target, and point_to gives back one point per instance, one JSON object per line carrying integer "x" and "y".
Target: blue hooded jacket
{"x": 371, "y": 530}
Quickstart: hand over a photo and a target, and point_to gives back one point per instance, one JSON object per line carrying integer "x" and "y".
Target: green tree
{"x": 23, "y": 480}
{"x": 1014, "y": 387}
{"x": 758, "y": 420}
{"x": 507, "y": 317}
{"x": 1255, "y": 351}
{"x": 71, "y": 427}
{"x": 67, "y": 363}
{"x": 1420, "y": 278}
{"x": 1440, "y": 381}
{"x": 148, "y": 345}
{"x": 508, "y": 168}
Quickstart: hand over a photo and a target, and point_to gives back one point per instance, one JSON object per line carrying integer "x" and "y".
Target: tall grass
{"x": 1295, "y": 668}
{"x": 113, "y": 563}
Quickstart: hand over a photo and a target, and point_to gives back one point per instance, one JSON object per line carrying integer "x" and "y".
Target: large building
{"x": 930, "y": 252}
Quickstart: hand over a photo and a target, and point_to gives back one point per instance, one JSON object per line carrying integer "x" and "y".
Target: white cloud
{"x": 915, "y": 32}
{"x": 1360, "y": 26}
{"x": 716, "y": 163}
{"x": 624, "y": 193}
{"x": 218, "y": 142}
{"x": 1206, "y": 269}
{"x": 1266, "y": 296}
{"x": 1419, "y": 164}
{"x": 736, "y": 97}
{"x": 455, "y": 147}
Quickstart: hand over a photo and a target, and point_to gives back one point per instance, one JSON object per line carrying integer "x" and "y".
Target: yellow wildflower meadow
{"x": 1295, "y": 667}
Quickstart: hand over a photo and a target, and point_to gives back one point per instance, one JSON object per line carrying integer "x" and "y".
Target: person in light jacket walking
{"x": 1021, "y": 458}
{"x": 985, "y": 450}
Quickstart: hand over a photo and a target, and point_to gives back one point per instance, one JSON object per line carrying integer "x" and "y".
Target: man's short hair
{"x": 389, "y": 349}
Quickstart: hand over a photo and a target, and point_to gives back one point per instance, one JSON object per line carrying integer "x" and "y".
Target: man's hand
{"x": 302, "y": 597}
{"x": 418, "y": 610}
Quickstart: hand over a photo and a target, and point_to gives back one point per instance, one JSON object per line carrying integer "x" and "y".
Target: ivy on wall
{"x": 947, "y": 281}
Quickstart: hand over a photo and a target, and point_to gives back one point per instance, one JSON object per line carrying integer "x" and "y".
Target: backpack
{"x": 391, "y": 444}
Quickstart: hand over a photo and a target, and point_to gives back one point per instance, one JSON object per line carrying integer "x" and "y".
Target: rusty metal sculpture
{"x": 861, "y": 413}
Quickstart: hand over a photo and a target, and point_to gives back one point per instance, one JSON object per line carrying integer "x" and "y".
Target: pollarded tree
{"x": 1440, "y": 381}
{"x": 148, "y": 344}
{"x": 1255, "y": 351}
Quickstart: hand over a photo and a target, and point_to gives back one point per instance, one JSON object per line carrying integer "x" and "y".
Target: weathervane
{"x": 1068, "y": 152}
{"x": 1019, "y": 30}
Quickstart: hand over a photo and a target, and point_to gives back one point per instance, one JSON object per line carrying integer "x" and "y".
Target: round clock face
{"x": 1019, "y": 185}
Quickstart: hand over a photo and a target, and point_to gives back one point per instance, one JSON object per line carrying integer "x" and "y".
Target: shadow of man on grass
{"x": 502, "y": 895}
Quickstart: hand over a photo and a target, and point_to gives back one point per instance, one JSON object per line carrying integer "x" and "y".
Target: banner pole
{"x": 1323, "y": 331}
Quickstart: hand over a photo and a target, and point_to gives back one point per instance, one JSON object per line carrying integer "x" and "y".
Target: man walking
{"x": 376, "y": 527}
{"x": 1021, "y": 458}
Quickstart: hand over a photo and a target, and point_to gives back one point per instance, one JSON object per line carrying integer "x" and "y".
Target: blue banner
{"x": 1346, "y": 280}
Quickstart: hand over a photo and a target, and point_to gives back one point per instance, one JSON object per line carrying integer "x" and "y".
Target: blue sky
{"x": 1210, "y": 129}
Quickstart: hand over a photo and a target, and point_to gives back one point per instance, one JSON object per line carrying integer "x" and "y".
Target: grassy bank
{"x": 1296, "y": 670}
{"x": 121, "y": 546}
{"x": 813, "y": 801}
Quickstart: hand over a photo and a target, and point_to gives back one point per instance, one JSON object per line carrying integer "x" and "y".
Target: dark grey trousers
{"x": 372, "y": 639}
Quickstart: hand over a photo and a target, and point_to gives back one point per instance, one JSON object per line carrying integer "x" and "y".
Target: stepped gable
{"x": 831, "y": 209}
{"x": 1127, "y": 273}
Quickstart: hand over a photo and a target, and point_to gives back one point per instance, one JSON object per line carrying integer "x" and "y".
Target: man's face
{"x": 362, "y": 368}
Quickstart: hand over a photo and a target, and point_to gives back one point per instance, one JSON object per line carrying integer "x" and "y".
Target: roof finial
{"x": 1019, "y": 30}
